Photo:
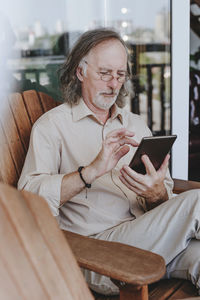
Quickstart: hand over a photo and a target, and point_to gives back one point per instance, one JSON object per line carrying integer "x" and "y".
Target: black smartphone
{"x": 156, "y": 147}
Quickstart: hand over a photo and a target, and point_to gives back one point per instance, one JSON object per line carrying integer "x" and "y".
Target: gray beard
{"x": 100, "y": 102}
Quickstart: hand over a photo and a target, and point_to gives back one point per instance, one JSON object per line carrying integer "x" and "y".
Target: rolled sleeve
{"x": 47, "y": 186}
{"x": 50, "y": 188}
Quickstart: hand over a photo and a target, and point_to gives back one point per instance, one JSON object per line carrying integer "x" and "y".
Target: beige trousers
{"x": 172, "y": 230}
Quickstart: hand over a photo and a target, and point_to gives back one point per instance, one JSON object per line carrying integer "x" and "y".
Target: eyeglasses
{"x": 105, "y": 76}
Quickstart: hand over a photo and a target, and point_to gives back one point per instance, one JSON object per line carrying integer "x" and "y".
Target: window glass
{"x": 37, "y": 36}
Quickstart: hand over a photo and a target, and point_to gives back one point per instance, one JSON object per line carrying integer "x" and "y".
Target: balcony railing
{"x": 148, "y": 89}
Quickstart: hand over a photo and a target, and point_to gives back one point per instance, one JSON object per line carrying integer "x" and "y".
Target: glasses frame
{"x": 108, "y": 77}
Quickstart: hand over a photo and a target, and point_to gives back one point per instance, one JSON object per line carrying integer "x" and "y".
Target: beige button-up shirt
{"x": 67, "y": 137}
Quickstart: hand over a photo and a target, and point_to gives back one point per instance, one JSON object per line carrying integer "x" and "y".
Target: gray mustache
{"x": 109, "y": 93}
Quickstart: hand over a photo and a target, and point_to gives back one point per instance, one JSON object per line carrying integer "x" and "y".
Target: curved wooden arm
{"x": 184, "y": 185}
{"x": 118, "y": 261}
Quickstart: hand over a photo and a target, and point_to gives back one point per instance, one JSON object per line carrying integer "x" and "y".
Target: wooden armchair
{"x": 132, "y": 269}
{"x": 36, "y": 261}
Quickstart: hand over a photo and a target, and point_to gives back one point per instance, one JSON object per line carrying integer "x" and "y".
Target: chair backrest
{"x": 35, "y": 259}
{"x": 20, "y": 113}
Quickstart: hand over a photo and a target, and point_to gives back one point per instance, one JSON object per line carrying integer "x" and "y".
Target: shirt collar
{"x": 81, "y": 110}
{"x": 117, "y": 112}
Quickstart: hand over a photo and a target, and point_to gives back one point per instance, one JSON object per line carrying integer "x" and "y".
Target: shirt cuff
{"x": 142, "y": 203}
{"x": 50, "y": 189}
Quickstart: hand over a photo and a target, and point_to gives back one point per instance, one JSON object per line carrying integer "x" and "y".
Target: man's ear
{"x": 79, "y": 73}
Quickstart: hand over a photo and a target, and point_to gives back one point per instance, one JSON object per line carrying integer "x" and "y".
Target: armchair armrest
{"x": 120, "y": 262}
{"x": 184, "y": 185}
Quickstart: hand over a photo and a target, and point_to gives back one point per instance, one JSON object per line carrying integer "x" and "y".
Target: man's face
{"x": 107, "y": 58}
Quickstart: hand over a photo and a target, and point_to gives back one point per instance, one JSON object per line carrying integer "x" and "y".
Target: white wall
{"x": 180, "y": 86}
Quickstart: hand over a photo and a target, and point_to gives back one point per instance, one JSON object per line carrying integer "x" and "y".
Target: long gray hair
{"x": 70, "y": 84}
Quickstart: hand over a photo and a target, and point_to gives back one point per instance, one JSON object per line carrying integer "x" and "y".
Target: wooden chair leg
{"x": 130, "y": 292}
{"x": 134, "y": 293}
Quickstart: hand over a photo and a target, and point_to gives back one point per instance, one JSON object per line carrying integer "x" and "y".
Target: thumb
{"x": 164, "y": 166}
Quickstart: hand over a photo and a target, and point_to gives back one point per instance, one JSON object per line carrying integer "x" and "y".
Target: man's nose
{"x": 113, "y": 83}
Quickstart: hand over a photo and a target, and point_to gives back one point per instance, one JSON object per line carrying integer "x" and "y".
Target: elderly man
{"x": 78, "y": 160}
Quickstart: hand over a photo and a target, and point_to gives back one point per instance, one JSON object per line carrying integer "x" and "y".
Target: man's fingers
{"x": 121, "y": 152}
{"x": 137, "y": 177}
{"x": 164, "y": 166}
{"x": 148, "y": 165}
{"x": 120, "y": 132}
{"x": 129, "y": 186}
{"x": 121, "y": 141}
{"x": 128, "y": 141}
{"x": 132, "y": 179}
{"x": 150, "y": 168}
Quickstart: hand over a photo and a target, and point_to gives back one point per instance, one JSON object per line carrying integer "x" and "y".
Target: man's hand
{"x": 151, "y": 185}
{"x": 114, "y": 147}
